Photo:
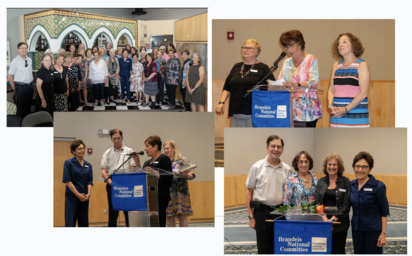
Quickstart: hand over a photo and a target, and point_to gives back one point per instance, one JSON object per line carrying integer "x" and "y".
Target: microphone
{"x": 133, "y": 154}
{"x": 283, "y": 54}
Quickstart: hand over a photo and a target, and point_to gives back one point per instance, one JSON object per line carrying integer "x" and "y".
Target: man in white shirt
{"x": 113, "y": 159}
{"x": 264, "y": 184}
{"x": 20, "y": 78}
{"x": 148, "y": 48}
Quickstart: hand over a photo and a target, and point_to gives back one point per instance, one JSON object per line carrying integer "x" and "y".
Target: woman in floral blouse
{"x": 300, "y": 187}
{"x": 300, "y": 71}
{"x": 172, "y": 70}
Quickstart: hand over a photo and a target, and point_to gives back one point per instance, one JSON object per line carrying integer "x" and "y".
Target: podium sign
{"x": 303, "y": 237}
{"x": 271, "y": 109}
{"x": 129, "y": 191}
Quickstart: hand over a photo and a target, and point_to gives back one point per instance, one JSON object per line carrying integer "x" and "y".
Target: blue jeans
{"x": 125, "y": 84}
{"x": 23, "y": 96}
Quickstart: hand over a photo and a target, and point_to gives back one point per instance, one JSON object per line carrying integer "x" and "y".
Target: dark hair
{"x": 171, "y": 45}
{"x": 115, "y": 131}
{"x": 274, "y": 137}
{"x": 297, "y": 158}
{"x": 357, "y": 47}
{"x": 75, "y": 55}
{"x": 97, "y": 48}
{"x": 75, "y": 144}
{"x": 20, "y": 44}
{"x": 125, "y": 50}
{"x": 75, "y": 50}
{"x": 128, "y": 45}
{"x": 149, "y": 54}
{"x": 133, "y": 48}
{"x": 154, "y": 140}
{"x": 363, "y": 155}
{"x": 171, "y": 50}
{"x": 135, "y": 54}
{"x": 58, "y": 56}
{"x": 185, "y": 51}
{"x": 98, "y": 53}
{"x": 142, "y": 47}
{"x": 341, "y": 168}
{"x": 88, "y": 50}
{"x": 292, "y": 36}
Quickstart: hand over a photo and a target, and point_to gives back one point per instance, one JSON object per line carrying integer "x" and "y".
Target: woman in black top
{"x": 45, "y": 78}
{"x": 60, "y": 85}
{"x": 75, "y": 77}
{"x": 334, "y": 190}
{"x": 243, "y": 77}
{"x": 153, "y": 147}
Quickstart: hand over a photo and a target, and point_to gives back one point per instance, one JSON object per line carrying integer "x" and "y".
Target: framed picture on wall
{"x": 159, "y": 40}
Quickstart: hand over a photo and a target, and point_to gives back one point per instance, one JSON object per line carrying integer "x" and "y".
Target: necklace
{"x": 243, "y": 67}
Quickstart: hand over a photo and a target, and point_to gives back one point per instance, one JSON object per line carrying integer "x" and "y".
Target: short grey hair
{"x": 61, "y": 49}
{"x": 162, "y": 47}
{"x": 112, "y": 49}
{"x": 193, "y": 55}
{"x": 48, "y": 51}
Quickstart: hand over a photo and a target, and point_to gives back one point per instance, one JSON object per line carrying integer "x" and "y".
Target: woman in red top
{"x": 150, "y": 77}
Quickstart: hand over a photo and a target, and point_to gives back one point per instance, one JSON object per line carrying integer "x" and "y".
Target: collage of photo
{"x": 280, "y": 142}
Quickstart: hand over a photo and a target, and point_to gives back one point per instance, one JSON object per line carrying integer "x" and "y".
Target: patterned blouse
{"x": 306, "y": 105}
{"x": 172, "y": 70}
{"x": 294, "y": 192}
{"x": 161, "y": 66}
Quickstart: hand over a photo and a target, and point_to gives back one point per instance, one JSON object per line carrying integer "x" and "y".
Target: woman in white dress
{"x": 137, "y": 81}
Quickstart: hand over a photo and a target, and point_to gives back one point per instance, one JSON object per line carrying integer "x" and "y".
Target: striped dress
{"x": 346, "y": 86}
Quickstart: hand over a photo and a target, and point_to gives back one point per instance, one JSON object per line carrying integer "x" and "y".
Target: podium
{"x": 272, "y": 106}
{"x": 135, "y": 190}
{"x": 302, "y": 232}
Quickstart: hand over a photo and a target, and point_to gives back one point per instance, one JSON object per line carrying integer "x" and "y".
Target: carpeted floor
{"x": 241, "y": 239}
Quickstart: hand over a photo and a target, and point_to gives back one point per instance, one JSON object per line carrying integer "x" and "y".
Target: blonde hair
{"x": 254, "y": 42}
{"x": 68, "y": 55}
{"x": 174, "y": 146}
{"x": 104, "y": 49}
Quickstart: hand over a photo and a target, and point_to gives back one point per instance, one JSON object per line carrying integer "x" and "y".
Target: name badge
{"x": 342, "y": 190}
{"x": 279, "y": 172}
{"x": 253, "y": 70}
{"x": 367, "y": 189}
{"x": 127, "y": 61}
{"x": 56, "y": 72}
{"x": 155, "y": 162}
{"x": 51, "y": 74}
{"x": 86, "y": 166}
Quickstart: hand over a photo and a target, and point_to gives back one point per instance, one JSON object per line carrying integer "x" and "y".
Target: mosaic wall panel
{"x": 37, "y": 59}
{"x": 56, "y": 21}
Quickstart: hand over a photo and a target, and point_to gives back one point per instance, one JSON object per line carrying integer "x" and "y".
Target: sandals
{"x": 145, "y": 104}
{"x": 172, "y": 107}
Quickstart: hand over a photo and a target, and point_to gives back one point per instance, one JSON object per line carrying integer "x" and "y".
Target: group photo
{"x": 65, "y": 60}
{"x": 133, "y": 174}
{"x": 315, "y": 191}
{"x": 325, "y": 73}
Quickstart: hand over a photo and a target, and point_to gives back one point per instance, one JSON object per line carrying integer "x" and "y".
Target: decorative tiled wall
{"x": 55, "y": 21}
{"x": 37, "y": 60}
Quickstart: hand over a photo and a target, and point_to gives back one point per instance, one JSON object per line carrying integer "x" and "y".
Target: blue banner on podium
{"x": 271, "y": 108}
{"x": 303, "y": 237}
{"x": 129, "y": 191}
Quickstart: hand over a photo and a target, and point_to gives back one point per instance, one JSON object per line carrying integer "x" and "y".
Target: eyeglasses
{"x": 289, "y": 46}
{"x": 80, "y": 149}
{"x": 363, "y": 167}
{"x": 26, "y": 64}
{"x": 247, "y": 48}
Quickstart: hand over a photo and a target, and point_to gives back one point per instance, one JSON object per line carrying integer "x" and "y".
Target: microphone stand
{"x": 115, "y": 171}
{"x": 273, "y": 68}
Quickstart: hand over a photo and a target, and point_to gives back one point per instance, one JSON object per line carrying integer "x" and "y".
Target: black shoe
{"x": 112, "y": 101}
{"x": 99, "y": 104}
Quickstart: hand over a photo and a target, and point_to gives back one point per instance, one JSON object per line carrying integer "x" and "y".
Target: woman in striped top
{"x": 349, "y": 84}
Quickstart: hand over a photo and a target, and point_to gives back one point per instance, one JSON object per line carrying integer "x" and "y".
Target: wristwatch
{"x": 384, "y": 231}
{"x": 194, "y": 88}
{"x": 250, "y": 216}
{"x": 221, "y": 102}
{"x": 299, "y": 84}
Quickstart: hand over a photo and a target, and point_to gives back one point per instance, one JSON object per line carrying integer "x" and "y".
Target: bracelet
{"x": 346, "y": 110}
{"x": 42, "y": 99}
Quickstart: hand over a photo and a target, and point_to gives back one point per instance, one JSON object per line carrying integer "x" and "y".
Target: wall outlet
{"x": 105, "y": 211}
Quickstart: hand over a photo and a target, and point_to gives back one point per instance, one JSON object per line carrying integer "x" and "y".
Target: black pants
{"x": 109, "y": 92}
{"x": 264, "y": 231}
{"x": 112, "y": 213}
{"x": 98, "y": 91}
{"x": 339, "y": 242}
{"x": 311, "y": 124}
{"x": 186, "y": 104}
{"x": 162, "y": 206}
{"x": 74, "y": 100}
{"x": 160, "y": 83}
{"x": 74, "y": 210}
{"x": 23, "y": 96}
{"x": 366, "y": 242}
{"x": 171, "y": 93}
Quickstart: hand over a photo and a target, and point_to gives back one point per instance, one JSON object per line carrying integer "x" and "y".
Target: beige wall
{"x": 386, "y": 145}
{"x": 377, "y": 36}
{"x": 193, "y": 133}
{"x": 245, "y": 146}
{"x": 154, "y": 27}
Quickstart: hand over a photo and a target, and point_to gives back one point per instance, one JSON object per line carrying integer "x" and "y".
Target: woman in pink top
{"x": 168, "y": 47}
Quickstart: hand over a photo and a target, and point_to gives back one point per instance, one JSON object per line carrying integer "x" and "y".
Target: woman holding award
{"x": 179, "y": 205}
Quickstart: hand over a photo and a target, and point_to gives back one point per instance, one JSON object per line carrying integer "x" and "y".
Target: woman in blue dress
{"x": 126, "y": 71}
{"x": 78, "y": 176}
